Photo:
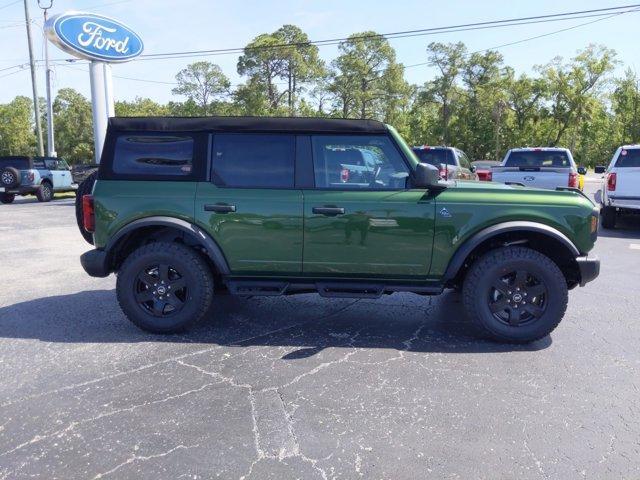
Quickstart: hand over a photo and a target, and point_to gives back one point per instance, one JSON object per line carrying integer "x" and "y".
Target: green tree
{"x": 202, "y": 83}
{"x": 448, "y": 59}
{"x": 626, "y": 105}
{"x": 17, "y": 135}
{"x": 73, "y": 125}
{"x": 366, "y": 79}
{"x": 140, "y": 107}
{"x": 286, "y": 56}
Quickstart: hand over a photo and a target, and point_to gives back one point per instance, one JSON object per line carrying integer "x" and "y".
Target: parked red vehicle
{"x": 483, "y": 169}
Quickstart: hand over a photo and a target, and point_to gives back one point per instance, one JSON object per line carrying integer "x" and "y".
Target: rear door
{"x": 250, "y": 204}
{"x": 627, "y": 169}
{"x": 369, "y": 225}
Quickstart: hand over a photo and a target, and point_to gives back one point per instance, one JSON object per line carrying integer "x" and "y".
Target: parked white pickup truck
{"x": 621, "y": 188}
{"x": 548, "y": 167}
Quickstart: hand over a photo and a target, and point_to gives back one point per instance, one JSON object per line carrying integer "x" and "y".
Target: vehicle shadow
{"x": 627, "y": 226}
{"x": 308, "y": 323}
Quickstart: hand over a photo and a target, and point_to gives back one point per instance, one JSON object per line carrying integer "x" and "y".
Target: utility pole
{"x": 34, "y": 85}
{"x": 51, "y": 144}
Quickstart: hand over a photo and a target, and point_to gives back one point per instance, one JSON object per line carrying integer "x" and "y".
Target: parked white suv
{"x": 621, "y": 188}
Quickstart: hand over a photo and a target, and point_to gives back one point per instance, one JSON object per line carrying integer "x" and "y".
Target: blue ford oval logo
{"x": 529, "y": 179}
{"x": 94, "y": 37}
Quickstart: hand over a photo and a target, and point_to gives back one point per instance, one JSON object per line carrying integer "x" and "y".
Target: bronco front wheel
{"x": 515, "y": 294}
{"x": 164, "y": 287}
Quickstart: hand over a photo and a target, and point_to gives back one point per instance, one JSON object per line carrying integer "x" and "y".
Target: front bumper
{"x": 589, "y": 266}
{"x": 95, "y": 263}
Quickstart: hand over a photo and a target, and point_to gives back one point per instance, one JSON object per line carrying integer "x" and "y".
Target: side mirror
{"x": 473, "y": 168}
{"x": 582, "y": 170}
{"x": 600, "y": 169}
{"x": 425, "y": 176}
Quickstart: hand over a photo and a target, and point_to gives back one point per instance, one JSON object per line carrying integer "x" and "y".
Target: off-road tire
{"x": 478, "y": 287}
{"x": 608, "y": 217}
{"x": 192, "y": 267}
{"x": 45, "y": 192}
{"x": 7, "y": 197}
{"x": 85, "y": 188}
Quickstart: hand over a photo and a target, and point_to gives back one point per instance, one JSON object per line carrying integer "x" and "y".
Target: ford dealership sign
{"x": 94, "y": 37}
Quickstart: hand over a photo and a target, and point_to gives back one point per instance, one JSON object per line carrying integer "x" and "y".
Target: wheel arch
{"x": 538, "y": 236}
{"x": 161, "y": 228}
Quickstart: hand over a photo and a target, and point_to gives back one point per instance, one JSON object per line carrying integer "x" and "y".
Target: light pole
{"x": 51, "y": 147}
{"x": 34, "y": 85}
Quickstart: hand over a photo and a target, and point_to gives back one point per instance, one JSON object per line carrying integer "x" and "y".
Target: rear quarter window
{"x": 155, "y": 155}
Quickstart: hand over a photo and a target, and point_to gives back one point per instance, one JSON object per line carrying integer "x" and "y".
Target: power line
{"x": 407, "y": 33}
{"x": 528, "y": 39}
{"x": 9, "y": 4}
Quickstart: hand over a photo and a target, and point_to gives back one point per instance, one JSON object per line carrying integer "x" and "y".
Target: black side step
{"x": 250, "y": 287}
{"x": 272, "y": 288}
{"x": 350, "y": 290}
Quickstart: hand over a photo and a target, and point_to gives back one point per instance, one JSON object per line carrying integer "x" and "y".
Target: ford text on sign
{"x": 94, "y": 37}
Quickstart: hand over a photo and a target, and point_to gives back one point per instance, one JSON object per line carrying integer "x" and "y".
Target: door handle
{"x": 220, "y": 208}
{"x": 328, "y": 211}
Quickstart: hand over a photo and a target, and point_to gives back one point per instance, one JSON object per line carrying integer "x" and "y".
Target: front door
{"x": 250, "y": 206}
{"x": 360, "y": 219}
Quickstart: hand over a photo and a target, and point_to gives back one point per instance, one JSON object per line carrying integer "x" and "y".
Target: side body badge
{"x": 445, "y": 213}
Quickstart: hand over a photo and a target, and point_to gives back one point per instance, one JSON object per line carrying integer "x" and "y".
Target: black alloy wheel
{"x": 160, "y": 290}
{"x": 517, "y": 298}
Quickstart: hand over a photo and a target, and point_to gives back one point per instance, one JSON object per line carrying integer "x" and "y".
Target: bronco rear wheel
{"x": 515, "y": 294}
{"x": 45, "y": 192}
{"x": 164, "y": 287}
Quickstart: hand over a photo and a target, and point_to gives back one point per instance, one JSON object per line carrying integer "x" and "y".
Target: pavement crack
{"x": 141, "y": 458}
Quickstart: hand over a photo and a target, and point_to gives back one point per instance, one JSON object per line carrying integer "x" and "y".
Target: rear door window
{"x": 628, "y": 158}
{"x": 253, "y": 160}
{"x": 153, "y": 155}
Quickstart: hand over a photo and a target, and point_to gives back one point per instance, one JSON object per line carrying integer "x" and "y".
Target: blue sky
{"x": 167, "y": 25}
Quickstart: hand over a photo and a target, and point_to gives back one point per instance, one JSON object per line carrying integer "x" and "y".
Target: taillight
{"x": 344, "y": 175}
{"x": 573, "y": 180}
{"x": 612, "y": 179}
{"x": 88, "y": 214}
{"x": 444, "y": 172}
{"x": 31, "y": 176}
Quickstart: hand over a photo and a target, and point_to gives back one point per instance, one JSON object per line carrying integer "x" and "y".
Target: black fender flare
{"x": 195, "y": 233}
{"x": 458, "y": 259}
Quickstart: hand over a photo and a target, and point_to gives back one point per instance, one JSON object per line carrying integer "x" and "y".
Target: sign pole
{"x": 34, "y": 85}
{"x": 108, "y": 90}
{"x": 98, "y": 106}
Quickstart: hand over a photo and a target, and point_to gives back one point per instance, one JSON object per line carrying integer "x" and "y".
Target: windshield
{"x": 628, "y": 159}
{"x": 21, "y": 163}
{"x": 435, "y": 157}
{"x": 538, "y": 158}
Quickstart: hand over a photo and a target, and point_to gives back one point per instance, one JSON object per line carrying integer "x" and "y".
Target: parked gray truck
{"x": 39, "y": 176}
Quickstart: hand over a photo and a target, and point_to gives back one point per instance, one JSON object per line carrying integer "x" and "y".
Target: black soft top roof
{"x": 245, "y": 124}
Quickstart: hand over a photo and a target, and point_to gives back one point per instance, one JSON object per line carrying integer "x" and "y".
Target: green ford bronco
{"x": 184, "y": 209}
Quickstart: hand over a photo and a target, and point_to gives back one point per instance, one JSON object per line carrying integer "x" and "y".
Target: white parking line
{"x": 634, "y": 246}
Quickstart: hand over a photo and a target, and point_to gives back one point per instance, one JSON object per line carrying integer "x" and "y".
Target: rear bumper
{"x": 625, "y": 202}
{"x": 20, "y": 190}
{"x": 95, "y": 263}
{"x": 589, "y": 266}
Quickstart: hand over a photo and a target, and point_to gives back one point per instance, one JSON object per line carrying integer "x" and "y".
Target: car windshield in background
{"x": 629, "y": 158}
{"x": 434, "y": 157}
{"x": 19, "y": 163}
{"x": 538, "y": 158}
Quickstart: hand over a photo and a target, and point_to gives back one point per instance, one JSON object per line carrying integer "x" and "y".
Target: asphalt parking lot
{"x": 305, "y": 387}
